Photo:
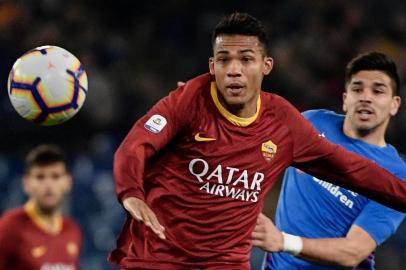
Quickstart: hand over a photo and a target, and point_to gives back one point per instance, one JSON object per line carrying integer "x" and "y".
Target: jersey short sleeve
{"x": 379, "y": 221}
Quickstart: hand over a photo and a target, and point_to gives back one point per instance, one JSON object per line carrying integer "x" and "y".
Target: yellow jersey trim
{"x": 235, "y": 120}
{"x": 39, "y": 222}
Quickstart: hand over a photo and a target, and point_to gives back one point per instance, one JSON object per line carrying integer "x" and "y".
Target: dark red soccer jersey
{"x": 205, "y": 172}
{"x": 24, "y": 245}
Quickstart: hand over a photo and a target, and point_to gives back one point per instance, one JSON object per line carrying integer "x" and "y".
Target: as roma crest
{"x": 268, "y": 150}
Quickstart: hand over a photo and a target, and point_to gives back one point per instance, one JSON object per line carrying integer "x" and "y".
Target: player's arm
{"x": 324, "y": 160}
{"x": 7, "y": 242}
{"x": 346, "y": 251}
{"x": 148, "y": 135}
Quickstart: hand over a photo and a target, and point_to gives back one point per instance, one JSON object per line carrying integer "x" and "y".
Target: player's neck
{"x": 49, "y": 221}
{"x": 246, "y": 110}
{"x": 374, "y": 136}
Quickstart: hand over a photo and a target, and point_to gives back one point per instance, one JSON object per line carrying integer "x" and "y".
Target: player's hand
{"x": 266, "y": 235}
{"x": 180, "y": 83}
{"x": 141, "y": 212}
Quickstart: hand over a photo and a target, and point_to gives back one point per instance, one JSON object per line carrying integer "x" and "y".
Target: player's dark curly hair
{"x": 44, "y": 155}
{"x": 242, "y": 24}
{"x": 374, "y": 61}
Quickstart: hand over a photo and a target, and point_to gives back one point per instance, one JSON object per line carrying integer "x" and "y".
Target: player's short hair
{"x": 43, "y": 155}
{"x": 241, "y": 24}
{"x": 374, "y": 61}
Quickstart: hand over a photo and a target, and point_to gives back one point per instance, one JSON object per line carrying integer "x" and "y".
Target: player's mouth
{"x": 365, "y": 113}
{"x": 235, "y": 89}
{"x": 48, "y": 196}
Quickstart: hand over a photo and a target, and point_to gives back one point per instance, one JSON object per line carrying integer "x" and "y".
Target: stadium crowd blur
{"x": 134, "y": 52}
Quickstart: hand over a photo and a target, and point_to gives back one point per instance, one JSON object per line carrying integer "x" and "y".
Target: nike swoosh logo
{"x": 203, "y": 139}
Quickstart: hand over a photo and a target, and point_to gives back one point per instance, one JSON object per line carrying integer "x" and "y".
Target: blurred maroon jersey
{"x": 25, "y": 245}
{"x": 205, "y": 173}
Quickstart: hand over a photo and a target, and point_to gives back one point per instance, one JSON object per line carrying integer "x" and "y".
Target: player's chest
{"x": 38, "y": 250}
{"x": 261, "y": 147}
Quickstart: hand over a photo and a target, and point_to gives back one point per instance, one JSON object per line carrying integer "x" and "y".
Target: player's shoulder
{"x": 13, "y": 217}
{"x": 198, "y": 83}
{"x": 279, "y": 109}
{"x": 402, "y": 157}
{"x": 268, "y": 97}
{"x": 194, "y": 87}
{"x": 272, "y": 101}
{"x": 278, "y": 106}
{"x": 72, "y": 229}
{"x": 189, "y": 95}
{"x": 323, "y": 116}
{"x": 398, "y": 162}
{"x": 71, "y": 224}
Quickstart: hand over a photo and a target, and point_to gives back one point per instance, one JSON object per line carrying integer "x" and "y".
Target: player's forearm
{"x": 127, "y": 175}
{"x": 332, "y": 251}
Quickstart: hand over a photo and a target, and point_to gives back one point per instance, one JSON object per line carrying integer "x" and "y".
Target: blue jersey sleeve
{"x": 379, "y": 221}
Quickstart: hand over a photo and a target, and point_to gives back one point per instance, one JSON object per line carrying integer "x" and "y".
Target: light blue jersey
{"x": 315, "y": 208}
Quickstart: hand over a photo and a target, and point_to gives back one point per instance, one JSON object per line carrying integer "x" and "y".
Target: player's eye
{"x": 378, "y": 91}
{"x": 247, "y": 59}
{"x": 40, "y": 177}
{"x": 222, "y": 59}
{"x": 356, "y": 90}
{"x": 57, "y": 176}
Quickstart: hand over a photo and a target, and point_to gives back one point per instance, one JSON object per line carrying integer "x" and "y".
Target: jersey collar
{"x": 235, "y": 120}
{"x": 39, "y": 222}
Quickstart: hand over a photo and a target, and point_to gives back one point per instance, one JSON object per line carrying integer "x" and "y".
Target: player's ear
{"x": 26, "y": 183}
{"x": 344, "y": 99}
{"x": 268, "y": 65}
{"x": 68, "y": 182}
{"x": 396, "y": 100}
{"x": 211, "y": 65}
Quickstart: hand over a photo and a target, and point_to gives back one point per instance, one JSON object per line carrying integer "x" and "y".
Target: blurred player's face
{"x": 239, "y": 65}
{"x": 47, "y": 185}
{"x": 369, "y": 102}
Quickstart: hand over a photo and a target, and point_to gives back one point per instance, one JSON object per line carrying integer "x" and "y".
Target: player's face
{"x": 239, "y": 65}
{"x": 369, "y": 101}
{"x": 47, "y": 185}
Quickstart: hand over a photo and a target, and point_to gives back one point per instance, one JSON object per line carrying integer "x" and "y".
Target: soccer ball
{"x": 47, "y": 85}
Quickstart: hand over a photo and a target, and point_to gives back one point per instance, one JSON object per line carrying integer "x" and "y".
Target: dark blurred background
{"x": 134, "y": 52}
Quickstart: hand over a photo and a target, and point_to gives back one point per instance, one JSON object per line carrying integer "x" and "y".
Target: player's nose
{"x": 234, "y": 69}
{"x": 366, "y": 95}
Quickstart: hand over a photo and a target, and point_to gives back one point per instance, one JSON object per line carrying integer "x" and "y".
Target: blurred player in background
{"x": 193, "y": 172}
{"x": 37, "y": 236}
{"x": 341, "y": 227}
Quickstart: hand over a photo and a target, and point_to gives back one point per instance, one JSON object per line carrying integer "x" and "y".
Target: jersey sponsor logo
{"x": 155, "y": 123}
{"x": 199, "y": 138}
{"x": 337, "y": 192}
{"x": 268, "y": 150}
{"x": 57, "y": 266}
{"x": 72, "y": 248}
{"x": 39, "y": 251}
{"x": 227, "y": 181}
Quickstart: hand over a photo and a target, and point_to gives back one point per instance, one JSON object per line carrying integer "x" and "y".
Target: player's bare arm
{"x": 346, "y": 251}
